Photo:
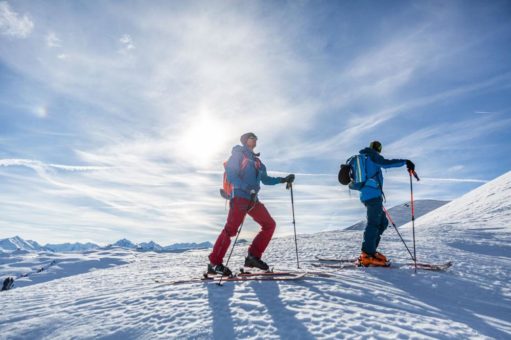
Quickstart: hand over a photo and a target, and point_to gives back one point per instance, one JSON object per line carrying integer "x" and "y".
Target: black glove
{"x": 410, "y": 165}
{"x": 288, "y": 179}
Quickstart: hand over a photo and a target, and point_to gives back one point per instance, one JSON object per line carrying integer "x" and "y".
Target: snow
{"x": 17, "y": 243}
{"x": 400, "y": 214}
{"x": 72, "y": 247}
{"x": 120, "y": 300}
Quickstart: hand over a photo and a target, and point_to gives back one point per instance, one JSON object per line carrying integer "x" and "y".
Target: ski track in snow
{"x": 120, "y": 300}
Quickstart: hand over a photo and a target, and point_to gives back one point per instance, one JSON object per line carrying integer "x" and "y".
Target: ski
{"x": 259, "y": 277}
{"x": 354, "y": 265}
{"x": 245, "y": 276}
{"x": 335, "y": 260}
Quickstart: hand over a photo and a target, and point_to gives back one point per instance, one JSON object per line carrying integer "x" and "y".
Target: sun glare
{"x": 204, "y": 139}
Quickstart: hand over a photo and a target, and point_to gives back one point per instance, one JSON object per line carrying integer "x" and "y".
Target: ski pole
{"x": 290, "y": 186}
{"x": 394, "y": 225}
{"x": 250, "y": 206}
{"x": 412, "y": 172}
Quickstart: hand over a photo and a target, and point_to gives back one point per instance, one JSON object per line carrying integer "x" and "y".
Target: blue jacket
{"x": 249, "y": 178}
{"x": 374, "y": 163}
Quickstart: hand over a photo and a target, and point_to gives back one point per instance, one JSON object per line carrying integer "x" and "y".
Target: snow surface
{"x": 471, "y": 300}
{"x": 401, "y": 213}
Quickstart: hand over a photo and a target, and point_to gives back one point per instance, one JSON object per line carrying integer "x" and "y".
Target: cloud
{"x": 126, "y": 43}
{"x": 37, "y": 165}
{"x": 12, "y": 24}
{"x": 52, "y": 40}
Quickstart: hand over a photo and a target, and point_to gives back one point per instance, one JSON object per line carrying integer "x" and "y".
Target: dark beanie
{"x": 375, "y": 145}
{"x": 246, "y": 136}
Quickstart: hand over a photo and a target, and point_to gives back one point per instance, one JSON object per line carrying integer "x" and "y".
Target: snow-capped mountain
{"x": 149, "y": 246}
{"x": 36, "y": 246}
{"x": 72, "y": 247}
{"x": 186, "y": 246}
{"x": 480, "y": 207}
{"x": 17, "y": 243}
{"x": 469, "y": 301}
{"x": 401, "y": 214}
{"x": 124, "y": 243}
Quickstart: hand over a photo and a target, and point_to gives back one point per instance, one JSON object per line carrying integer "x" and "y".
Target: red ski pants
{"x": 238, "y": 209}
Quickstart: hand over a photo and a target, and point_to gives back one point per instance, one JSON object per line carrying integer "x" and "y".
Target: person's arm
{"x": 268, "y": 180}
{"x": 387, "y": 163}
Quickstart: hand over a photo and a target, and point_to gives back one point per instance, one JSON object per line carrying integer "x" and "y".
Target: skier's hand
{"x": 410, "y": 165}
{"x": 288, "y": 179}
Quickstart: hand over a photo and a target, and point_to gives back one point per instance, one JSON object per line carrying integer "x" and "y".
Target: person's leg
{"x": 263, "y": 238}
{"x": 237, "y": 212}
{"x": 384, "y": 223}
{"x": 372, "y": 232}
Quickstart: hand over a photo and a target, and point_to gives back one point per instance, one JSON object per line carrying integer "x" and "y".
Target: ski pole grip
{"x": 412, "y": 172}
{"x": 415, "y": 175}
{"x": 252, "y": 195}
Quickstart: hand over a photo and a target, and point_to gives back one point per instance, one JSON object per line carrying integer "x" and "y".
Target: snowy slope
{"x": 472, "y": 300}
{"x": 72, "y": 247}
{"x": 401, "y": 214}
{"x": 33, "y": 268}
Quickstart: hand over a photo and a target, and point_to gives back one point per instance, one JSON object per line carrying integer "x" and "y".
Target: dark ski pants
{"x": 376, "y": 224}
{"x": 238, "y": 210}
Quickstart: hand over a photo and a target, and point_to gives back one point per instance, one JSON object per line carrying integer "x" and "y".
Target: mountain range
{"x": 16, "y": 243}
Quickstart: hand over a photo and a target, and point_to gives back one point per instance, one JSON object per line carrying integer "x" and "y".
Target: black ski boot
{"x": 255, "y": 262}
{"x": 219, "y": 269}
{"x": 8, "y": 283}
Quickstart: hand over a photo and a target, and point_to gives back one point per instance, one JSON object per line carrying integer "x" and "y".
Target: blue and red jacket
{"x": 374, "y": 164}
{"x": 246, "y": 171}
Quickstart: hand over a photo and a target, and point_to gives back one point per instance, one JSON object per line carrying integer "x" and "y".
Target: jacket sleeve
{"x": 387, "y": 163}
{"x": 233, "y": 169}
{"x": 268, "y": 180}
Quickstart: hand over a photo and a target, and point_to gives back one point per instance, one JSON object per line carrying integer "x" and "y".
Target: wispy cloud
{"x": 13, "y": 24}
{"x": 126, "y": 43}
{"x": 52, "y": 40}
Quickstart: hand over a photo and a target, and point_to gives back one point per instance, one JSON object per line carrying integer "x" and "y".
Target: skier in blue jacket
{"x": 371, "y": 196}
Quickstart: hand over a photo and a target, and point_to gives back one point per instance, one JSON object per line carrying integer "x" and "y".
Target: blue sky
{"x": 115, "y": 117}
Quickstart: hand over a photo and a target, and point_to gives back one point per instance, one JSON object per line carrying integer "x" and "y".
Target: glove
{"x": 288, "y": 179}
{"x": 410, "y": 165}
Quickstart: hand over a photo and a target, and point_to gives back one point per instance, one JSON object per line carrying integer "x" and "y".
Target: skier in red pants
{"x": 245, "y": 171}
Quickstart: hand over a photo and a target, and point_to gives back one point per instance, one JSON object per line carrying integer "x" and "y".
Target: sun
{"x": 204, "y": 139}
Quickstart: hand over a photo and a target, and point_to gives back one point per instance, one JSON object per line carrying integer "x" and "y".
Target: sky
{"x": 116, "y": 116}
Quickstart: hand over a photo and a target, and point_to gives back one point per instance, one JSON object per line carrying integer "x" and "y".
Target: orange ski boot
{"x": 380, "y": 256}
{"x": 367, "y": 260}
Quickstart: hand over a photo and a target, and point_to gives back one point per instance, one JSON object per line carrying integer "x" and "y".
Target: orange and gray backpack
{"x": 227, "y": 189}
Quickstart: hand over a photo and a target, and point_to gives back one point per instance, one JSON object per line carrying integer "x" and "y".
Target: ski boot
{"x": 380, "y": 256}
{"x": 366, "y": 260}
{"x": 255, "y": 262}
{"x": 8, "y": 283}
{"x": 219, "y": 269}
